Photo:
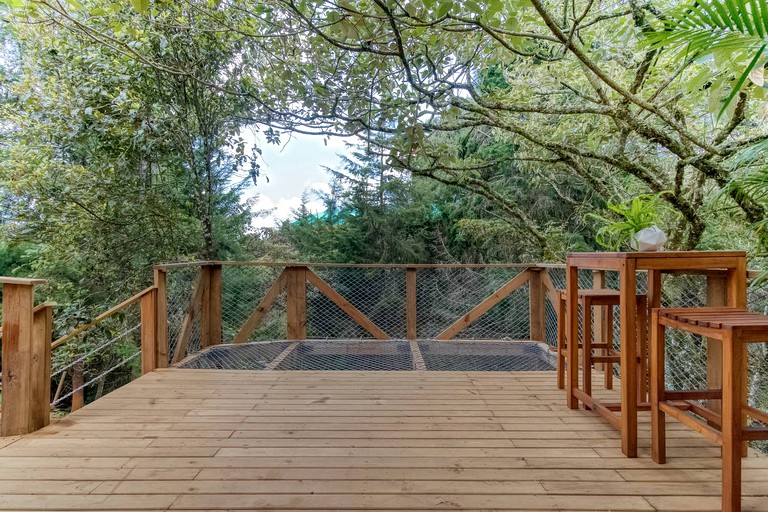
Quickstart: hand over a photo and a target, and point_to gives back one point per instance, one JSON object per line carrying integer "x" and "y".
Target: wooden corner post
{"x": 296, "y": 287}
{"x": 161, "y": 317}
{"x": 26, "y": 332}
{"x": 537, "y": 305}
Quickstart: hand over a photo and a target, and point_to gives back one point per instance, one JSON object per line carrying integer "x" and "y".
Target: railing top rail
{"x": 101, "y": 317}
{"x": 21, "y": 280}
{"x": 168, "y": 266}
{"x": 751, "y": 274}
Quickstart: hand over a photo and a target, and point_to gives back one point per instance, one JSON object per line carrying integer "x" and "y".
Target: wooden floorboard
{"x": 231, "y": 440}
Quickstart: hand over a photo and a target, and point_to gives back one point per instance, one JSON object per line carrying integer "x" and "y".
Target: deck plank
{"x": 232, "y": 440}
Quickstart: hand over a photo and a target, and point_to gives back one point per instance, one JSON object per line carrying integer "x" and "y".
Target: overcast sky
{"x": 293, "y": 167}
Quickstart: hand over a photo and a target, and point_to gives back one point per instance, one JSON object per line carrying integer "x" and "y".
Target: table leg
{"x": 628, "y": 308}
{"x": 737, "y": 285}
{"x": 572, "y": 334}
{"x": 737, "y": 298}
{"x": 658, "y": 427}
{"x": 642, "y": 349}
{"x": 732, "y": 418}
{"x": 608, "y": 331}
{"x": 561, "y": 343}
{"x": 654, "y": 289}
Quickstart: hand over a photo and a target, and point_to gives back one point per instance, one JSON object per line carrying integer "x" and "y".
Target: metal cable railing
{"x": 97, "y": 360}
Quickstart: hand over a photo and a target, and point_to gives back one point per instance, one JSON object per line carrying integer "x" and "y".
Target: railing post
{"x": 161, "y": 315}
{"x": 149, "y": 331}
{"x": 296, "y": 302}
{"x": 410, "y": 303}
{"x": 211, "y": 306}
{"x": 21, "y": 345}
{"x": 536, "y": 306}
{"x": 41, "y": 365}
{"x": 78, "y": 389}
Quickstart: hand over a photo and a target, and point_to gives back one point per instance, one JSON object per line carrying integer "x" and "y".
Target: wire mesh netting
{"x": 363, "y": 355}
{"x": 249, "y": 356}
{"x": 243, "y": 287}
{"x": 349, "y": 355}
{"x": 378, "y": 293}
{"x": 180, "y": 288}
{"x": 444, "y": 295}
{"x": 486, "y": 357}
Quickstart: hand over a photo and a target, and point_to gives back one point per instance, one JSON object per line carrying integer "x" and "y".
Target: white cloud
{"x": 287, "y": 171}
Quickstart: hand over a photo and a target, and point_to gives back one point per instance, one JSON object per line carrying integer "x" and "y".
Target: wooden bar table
{"x": 732, "y": 263}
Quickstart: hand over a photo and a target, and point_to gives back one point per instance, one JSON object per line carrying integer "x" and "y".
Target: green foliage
{"x": 371, "y": 215}
{"x": 14, "y": 259}
{"x": 718, "y": 27}
{"x": 108, "y": 166}
{"x": 111, "y": 166}
{"x": 643, "y": 211}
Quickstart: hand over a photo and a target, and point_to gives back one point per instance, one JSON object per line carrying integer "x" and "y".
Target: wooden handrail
{"x": 21, "y": 280}
{"x": 751, "y": 274}
{"x": 290, "y": 264}
{"x": 47, "y": 304}
{"x": 102, "y": 317}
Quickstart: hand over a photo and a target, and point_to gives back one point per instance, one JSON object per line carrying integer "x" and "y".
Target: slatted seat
{"x": 606, "y": 298}
{"x": 734, "y": 328}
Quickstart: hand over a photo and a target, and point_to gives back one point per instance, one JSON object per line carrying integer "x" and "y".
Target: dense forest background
{"x": 490, "y": 131}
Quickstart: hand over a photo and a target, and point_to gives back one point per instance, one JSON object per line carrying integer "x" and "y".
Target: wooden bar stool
{"x": 605, "y": 298}
{"x": 734, "y": 328}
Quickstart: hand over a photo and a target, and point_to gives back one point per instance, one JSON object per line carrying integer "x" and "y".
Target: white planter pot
{"x": 648, "y": 239}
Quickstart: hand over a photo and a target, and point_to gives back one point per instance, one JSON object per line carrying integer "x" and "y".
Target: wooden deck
{"x": 229, "y": 440}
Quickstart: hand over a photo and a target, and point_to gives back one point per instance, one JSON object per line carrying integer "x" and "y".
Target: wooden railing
{"x": 27, "y": 348}
{"x": 26, "y": 329}
{"x": 294, "y": 281}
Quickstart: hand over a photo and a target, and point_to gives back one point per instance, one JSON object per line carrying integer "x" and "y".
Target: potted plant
{"x": 638, "y": 227}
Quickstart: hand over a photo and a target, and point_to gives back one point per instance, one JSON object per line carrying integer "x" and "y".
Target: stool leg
{"x": 561, "y": 344}
{"x": 608, "y": 334}
{"x": 658, "y": 423}
{"x": 587, "y": 346}
{"x": 733, "y": 398}
{"x": 572, "y": 333}
{"x": 642, "y": 349}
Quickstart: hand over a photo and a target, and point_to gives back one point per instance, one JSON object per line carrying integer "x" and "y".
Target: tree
{"x": 583, "y": 95}
{"x": 112, "y": 165}
{"x": 578, "y": 92}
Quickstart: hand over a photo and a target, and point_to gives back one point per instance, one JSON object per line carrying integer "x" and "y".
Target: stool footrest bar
{"x": 710, "y": 433}
{"x": 694, "y": 394}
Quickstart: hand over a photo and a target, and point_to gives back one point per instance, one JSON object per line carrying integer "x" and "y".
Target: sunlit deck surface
{"x": 408, "y": 440}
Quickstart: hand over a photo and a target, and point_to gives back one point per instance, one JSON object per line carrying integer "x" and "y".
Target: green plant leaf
{"x": 741, "y": 80}
{"x": 141, "y": 6}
